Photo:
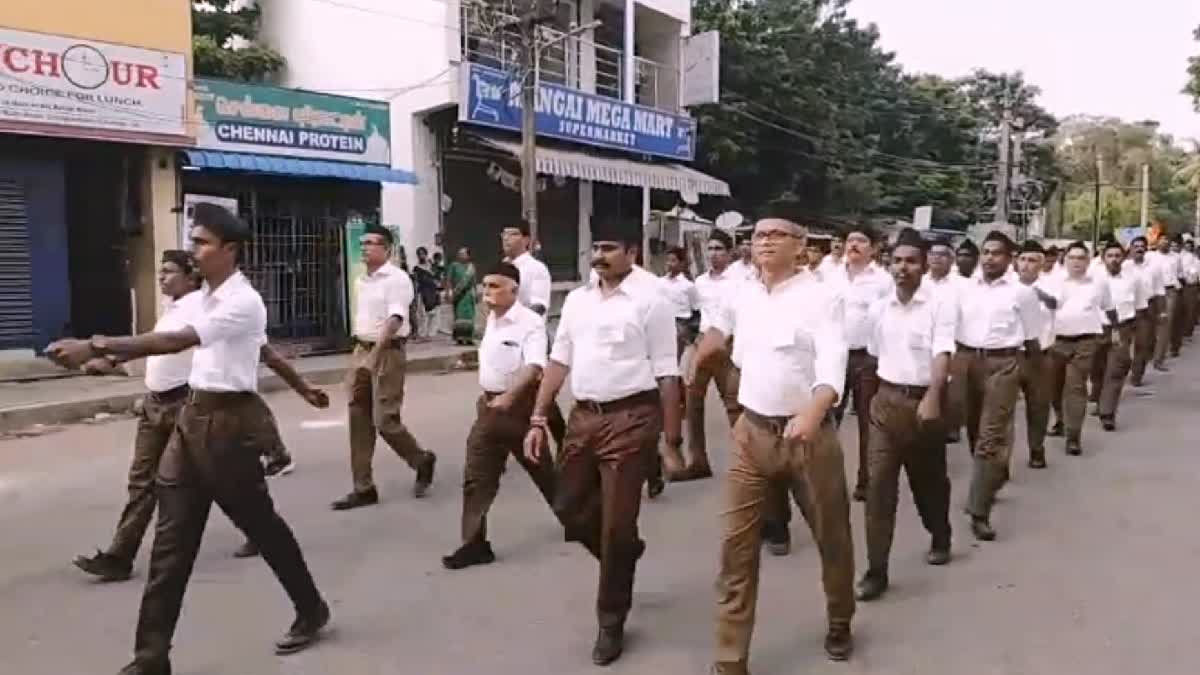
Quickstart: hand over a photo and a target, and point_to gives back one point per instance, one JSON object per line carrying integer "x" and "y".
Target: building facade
{"x": 614, "y": 135}
{"x": 93, "y": 101}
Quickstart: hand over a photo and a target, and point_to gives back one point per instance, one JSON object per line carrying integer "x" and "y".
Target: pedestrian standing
{"x": 1036, "y": 384}
{"x": 616, "y": 341}
{"x": 788, "y": 335}
{"x": 1083, "y": 301}
{"x": 1148, "y": 316}
{"x": 214, "y": 453}
{"x": 461, "y": 281}
{"x": 912, "y": 337}
{"x": 1127, "y": 290}
{"x": 375, "y": 383}
{"x": 713, "y": 288}
{"x": 428, "y": 289}
{"x": 512, "y": 355}
{"x": 861, "y": 282}
{"x": 997, "y": 316}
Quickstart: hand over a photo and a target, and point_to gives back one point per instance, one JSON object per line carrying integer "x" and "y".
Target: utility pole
{"x": 1145, "y": 195}
{"x": 1002, "y": 179}
{"x": 1096, "y": 213}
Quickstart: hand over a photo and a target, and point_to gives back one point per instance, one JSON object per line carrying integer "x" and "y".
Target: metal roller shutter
{"x": 16, "y": 300}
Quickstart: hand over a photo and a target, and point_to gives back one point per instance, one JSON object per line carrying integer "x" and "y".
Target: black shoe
{"x": 860, "y": 493}
{"x": 982, "y": 529}
{"x": 1037, "y": 460}
{"x": 839, "y": 644}
{"x": 777, "y": 538}
{"x": 953, "y": 436}
{"x": 610, "y": 642}
{"x": 1162, "y": 368}
{"x": 1136, "y": 382}
{"x": 872, "y": 586}
{"x": 729, "y": 668}
{"x": 1074, "y": 448}
{"x": 1108, "y": 423}
{"x": 425, "y": 476}
{"x": 356, "y": 499}
{"x": 475, "y": 553}
{"x": 246, "y": 550}
{"x": 639, "y": 549}
{"x": 136, "y": 668}
{"x": 938, "y": 554}
{"x": 305, "y": 630}
{"x": 1056, "y": 430}
{"x": 105, "y": 566}
{"x": 655, "y": 487}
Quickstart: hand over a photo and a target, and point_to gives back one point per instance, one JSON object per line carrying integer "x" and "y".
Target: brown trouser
{"x": 214, "y": 456}
{"x": 861, "y": 381}
{"x": 1191, "y": 305}
{"x": 600, "y": 474}
{"x": 156, "y": 423}
{"x": 815, "y": 471}
{"x": 721, "y": 371}
{"x": 1035, "y": 384}
{"x": 900, "y": 440}
{"x": 1117, "y": 362}
{"x": 1143, "y": 342}
{"x": 1071, "y": 365}
{"x": 375, "y": 402}
{"x": 1179, "y": 318}
{"x": 494, "y": 436}
{"x": 992, "y": 380}
{"x": 1164, "y": 326}
{"x": 1099, "y": 365}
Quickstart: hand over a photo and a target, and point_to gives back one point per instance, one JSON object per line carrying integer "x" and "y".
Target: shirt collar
{"x": 227, "y": 287}
{"x": 384, "y": 270}
{"x": 920, "y": 296}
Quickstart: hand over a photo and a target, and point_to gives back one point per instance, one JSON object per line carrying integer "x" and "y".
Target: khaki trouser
{"x": 991, "y": 385}
{"x": 900, "y": 440}
{"x": 1143, "y": 342}
{"x": 861, "y": 381}
{"x": 720, "y": 371}
{"x": 1164, "y": 326}
{"x": 1036, "y": 385}
{"x": 1179, "y": 319}
{"x": 816, "y": 473}
{"x": 1071, "y": 365}
{"x": 1117, "y": 363}
{"x": 494, "y": 436}
{"x": 601, "y": 469}
{"x": 1191, "y": 304}
{"x": 375, "y": 402}
{"x": 214, "y": 457}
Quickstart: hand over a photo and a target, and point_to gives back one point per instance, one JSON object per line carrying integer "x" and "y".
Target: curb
{"x": 17, "y": 418}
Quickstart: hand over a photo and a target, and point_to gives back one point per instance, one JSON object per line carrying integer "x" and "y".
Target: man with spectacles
{"x": 376, "y": 380}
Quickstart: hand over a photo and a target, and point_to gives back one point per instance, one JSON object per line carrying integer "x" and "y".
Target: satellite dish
{"x": 447, "y": 203}
{"x": 730, "y": 220}
{"x": 690, "y": 196}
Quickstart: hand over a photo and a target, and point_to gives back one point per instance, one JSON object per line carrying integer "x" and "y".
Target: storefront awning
{"x": 291, "y": 166}
{"x": 571, "y": 164}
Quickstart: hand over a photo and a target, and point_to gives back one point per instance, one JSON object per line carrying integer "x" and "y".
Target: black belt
{"x": 601, "y": 407}
{"x": 1126, "y": 323}
{"x": 980, "y": 351}
{"x": 858, "y": 351}
{"x": 170, "y": 395}
{"x": 1075, "y": 338}
{"x": 776, "y": 424}
{"x": 394, "y": 343}
{"x": 910, "y": 391}
{"x": 218, "y": 399}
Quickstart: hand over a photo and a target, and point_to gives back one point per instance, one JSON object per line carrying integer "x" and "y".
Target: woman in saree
{"x": 461, "y": 277}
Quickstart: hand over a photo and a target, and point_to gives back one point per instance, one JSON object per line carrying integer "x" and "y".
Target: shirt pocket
{"x": 506, "y": 357}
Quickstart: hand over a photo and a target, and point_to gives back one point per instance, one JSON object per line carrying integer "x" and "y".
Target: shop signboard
{"x": 252, "y": 118}
{"x": 54, "y": 84}
{"x": 492, "y": 98}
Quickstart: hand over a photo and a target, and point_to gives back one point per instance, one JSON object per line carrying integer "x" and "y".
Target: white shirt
{"x": 947, "y": 288}
{"x": 534, "y": 288}
{"x": 829, "y": 265}
{"x": 1048, "y": 284}
{"x": 1126, "y": 290}
{"x": 859, "y": 292}
{"x": 1190, "y": 265}
{"x": 997, "y": 315}
{"x": 787, "y": 341}
{"x": 712, "y": 289}
{"x": 1081, "y": 306}
{"x": 1166, "y": 268}
{"x": 616, "y": 346}
{"x": 1148, "y": 271}
{"x": 681, "y": 295}
{"x": 231, "y": 323}
{"x": 740, "y": 270}
{"x": 907, "y": 337}
{"x": 386, "y": 292}
{"x": 170, "y": 371}
{"x": 510, "y": 342}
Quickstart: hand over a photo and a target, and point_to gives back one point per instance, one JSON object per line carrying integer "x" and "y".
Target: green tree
{"x": 1192, "y": 88}
{"x": 224, "y": 43}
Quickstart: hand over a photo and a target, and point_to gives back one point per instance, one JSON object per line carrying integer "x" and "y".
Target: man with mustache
{"x": 616, "y": 342}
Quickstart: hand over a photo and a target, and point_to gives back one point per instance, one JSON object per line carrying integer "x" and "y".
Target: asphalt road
{"x": 1093, "y": 571}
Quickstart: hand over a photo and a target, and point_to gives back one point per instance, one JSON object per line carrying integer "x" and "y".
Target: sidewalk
{"x": 71, "y": 399}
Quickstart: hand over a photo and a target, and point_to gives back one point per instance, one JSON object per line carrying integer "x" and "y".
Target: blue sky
{"x": 1088, "y": 56}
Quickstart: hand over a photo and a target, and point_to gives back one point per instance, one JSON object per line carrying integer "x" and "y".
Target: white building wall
{"x": 680, "y": 10}
{"x": 402, "y": 52}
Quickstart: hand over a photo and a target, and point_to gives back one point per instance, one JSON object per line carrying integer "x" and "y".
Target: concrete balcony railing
{"x": 492, "y": 39}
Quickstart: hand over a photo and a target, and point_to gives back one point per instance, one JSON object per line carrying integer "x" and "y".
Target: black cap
{"x": 910, "y": 237}
{"x": 504, "y": 269}
{"x": 615, "y": 229}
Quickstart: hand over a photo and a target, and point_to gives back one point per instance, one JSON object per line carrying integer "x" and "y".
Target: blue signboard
{"x": 493, "y": 98}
